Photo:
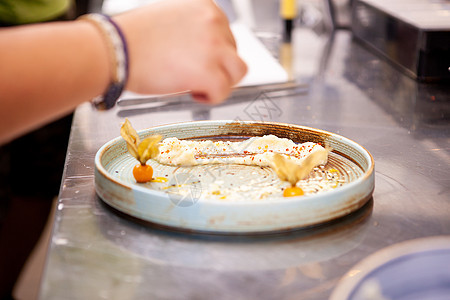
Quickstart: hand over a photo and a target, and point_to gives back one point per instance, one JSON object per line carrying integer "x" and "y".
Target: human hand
{"x": 180, "y": 45}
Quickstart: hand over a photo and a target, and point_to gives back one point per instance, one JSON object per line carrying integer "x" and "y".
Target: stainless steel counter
{"x": 96, "y": 253}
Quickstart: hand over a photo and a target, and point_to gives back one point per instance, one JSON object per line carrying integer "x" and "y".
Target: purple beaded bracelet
{"x": 119, "y": 56}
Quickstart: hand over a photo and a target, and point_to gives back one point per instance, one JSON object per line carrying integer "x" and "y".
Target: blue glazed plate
{"x": 154, "y": 202}
{"x": 413, "y": 270}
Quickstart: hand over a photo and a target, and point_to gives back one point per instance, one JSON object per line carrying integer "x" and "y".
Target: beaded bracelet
{"x": 119, "y": 59}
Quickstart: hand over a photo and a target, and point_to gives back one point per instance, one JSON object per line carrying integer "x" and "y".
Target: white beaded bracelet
{"x": 119, "y": 59}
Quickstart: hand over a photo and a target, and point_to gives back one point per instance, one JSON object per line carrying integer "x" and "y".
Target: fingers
{"x": 211, "y": 87}
{"x": 229, "y": 68}
{"x": 196, "y": 53}
{"x": 217, "y": 80}
{"x": 234, "y": 67}
{"x": 222, "y": 18}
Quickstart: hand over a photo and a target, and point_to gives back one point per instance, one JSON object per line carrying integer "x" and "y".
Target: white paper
{"x": 263, "y": 68}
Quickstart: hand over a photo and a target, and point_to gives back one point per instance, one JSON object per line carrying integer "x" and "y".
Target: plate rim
{"x": 349, "y": 281}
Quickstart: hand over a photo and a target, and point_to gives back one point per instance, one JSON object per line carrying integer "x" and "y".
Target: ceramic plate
{"x": 252, "y": 199}
{"x": 412, "y": 270}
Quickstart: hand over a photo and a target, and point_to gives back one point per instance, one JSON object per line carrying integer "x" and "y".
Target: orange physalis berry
{"x": 142, "y": 173}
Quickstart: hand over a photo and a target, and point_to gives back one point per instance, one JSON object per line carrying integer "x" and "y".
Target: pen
{"x": 288, "y": 12}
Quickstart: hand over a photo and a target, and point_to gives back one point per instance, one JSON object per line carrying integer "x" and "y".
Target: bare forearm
{"x": 46, "y": 71}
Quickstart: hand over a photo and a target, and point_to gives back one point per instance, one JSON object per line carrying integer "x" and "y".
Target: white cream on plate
{"x": 257, "y": 151}
{"x": 233, "y": 183}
